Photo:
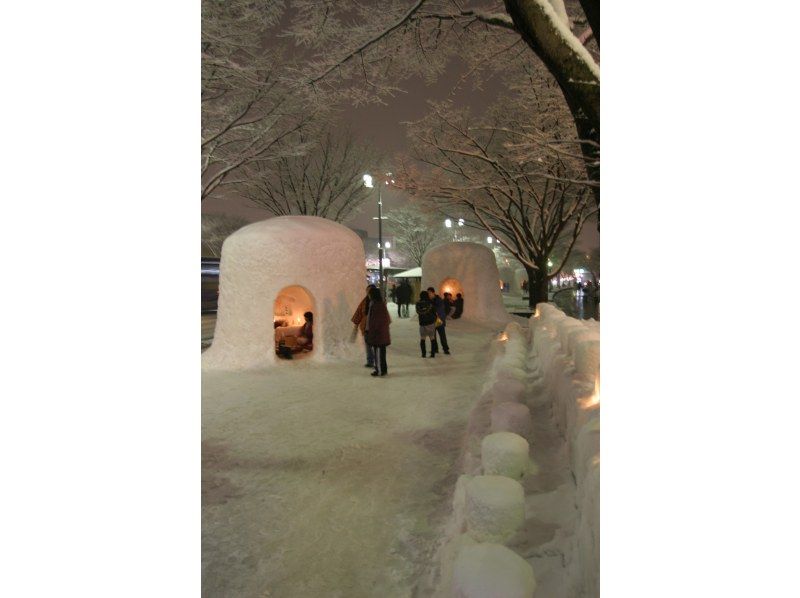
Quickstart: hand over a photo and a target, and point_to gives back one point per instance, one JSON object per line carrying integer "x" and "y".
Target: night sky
{"x": 381, "y": 125}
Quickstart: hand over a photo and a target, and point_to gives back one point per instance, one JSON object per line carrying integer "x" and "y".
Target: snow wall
{"x": 470, "y": 269}
{"x": 513, "y": 517}
{"x": 567, "y": 352}
{"x": 291, "y": 264}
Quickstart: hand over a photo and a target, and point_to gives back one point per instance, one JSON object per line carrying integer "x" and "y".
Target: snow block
{"x": 495, "y": 508}
{"x": 512, "y": 417}
{"x": 513, "y": 329}
{"x": 566, "y": 326}
{"x": 548, "y": 311}
{"x": 576, "y": 336}
{"x": 513, "y": 360}
{"x": 492, "y": 571}
{"x": 507, "y": 389}
{"x": 587, "y": 359}
{"x": 506, "y": 454}
{"x": 511, "y": 372}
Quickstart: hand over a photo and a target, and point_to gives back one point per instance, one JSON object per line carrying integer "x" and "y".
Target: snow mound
{"x": 314, "y": 262}
{"x": 547, "y": 312}
{"x": 507, "y": 389}
{"x": 492, "y": 571}
{"x": 472, "y": 268}
{"x": 565, "y": 327}
{"x": 505, "y": 454}
{"x": 587, "y": 358}
{"x": 512, "y": 417}
{"x": 494, "y": 508}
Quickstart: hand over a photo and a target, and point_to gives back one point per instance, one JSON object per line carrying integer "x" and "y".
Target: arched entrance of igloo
{"x": 452, "y": 286}
{"x": 289, "y": 306}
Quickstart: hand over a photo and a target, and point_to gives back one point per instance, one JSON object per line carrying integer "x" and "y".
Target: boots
{"x": 422, "y": 346}
{"x": 434, "y": 348}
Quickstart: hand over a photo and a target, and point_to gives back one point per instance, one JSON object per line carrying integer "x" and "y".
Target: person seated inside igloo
{"x": 305, "y": 341}
{"x": 302, "y": 341}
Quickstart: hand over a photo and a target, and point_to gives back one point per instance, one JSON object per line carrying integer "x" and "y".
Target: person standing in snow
{"x": 403, "y": 298}
{"x": 441, "y": 311}
{"x": 360, "y": 320}
{"x": 377, "y": 334}
{"x": 427, "y": 320}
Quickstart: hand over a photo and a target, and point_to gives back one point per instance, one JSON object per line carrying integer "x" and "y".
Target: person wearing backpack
{"x": 427, "y": 323}
{"x": 441, "y": 311}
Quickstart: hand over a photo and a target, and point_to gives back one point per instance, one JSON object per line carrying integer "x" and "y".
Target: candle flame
{"x": 503, "y": 337}
{"x": 594, "y": 400}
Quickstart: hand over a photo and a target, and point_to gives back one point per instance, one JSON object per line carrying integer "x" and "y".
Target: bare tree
{"x": 415, "y": 232}
{"x": 215, "y": 228}
{"x": 250, "y": 111}
{"x": 473, "y": 168}
{"x": 364, "y": 51}
{"x": 324, "y": 181}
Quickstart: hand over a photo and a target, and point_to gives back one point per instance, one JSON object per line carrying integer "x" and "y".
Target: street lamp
{"x": 368, "y": 183}
{"x": 448, "y": 223}
{"x": 489, "y": 240}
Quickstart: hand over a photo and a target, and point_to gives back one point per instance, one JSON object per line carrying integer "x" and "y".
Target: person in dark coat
{"x": 360, "y": 320}
{"x": 377, "y": 334}
{"x": 449, "y": 305}
{"x": 427, "y": 318}
{"x": 305, "y": 339}
{"x": 404, "y": 292}
{"x": 459, "y": 305}
{"x": 441, "y": 311}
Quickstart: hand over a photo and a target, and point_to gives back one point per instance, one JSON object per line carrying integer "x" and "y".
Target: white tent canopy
{"x": 413, "y": 273}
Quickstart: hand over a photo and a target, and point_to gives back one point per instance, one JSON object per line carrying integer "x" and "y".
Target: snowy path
{"x": 324, "y": 481}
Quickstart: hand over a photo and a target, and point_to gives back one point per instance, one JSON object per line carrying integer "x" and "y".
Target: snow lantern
{"x": 271, "y": 273}
{"x": 469, "y": 269}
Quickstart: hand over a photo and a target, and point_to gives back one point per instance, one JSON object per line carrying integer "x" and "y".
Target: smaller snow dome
{"x": 271, "y": 273}
{"x": 469, "y": 269}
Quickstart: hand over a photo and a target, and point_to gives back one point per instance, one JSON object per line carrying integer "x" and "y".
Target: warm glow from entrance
{"x": 450, "y": 285}
{"x": 594, "y": 400}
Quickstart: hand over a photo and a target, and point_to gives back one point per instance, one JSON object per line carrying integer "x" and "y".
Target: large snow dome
{"x": 469, "y": 269}
{"x": 277, "y": 269}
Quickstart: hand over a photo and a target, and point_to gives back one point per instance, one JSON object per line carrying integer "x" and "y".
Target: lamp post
{"x": 380, "y": 218}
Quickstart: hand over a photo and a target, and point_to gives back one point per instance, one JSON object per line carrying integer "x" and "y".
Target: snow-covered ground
{"x": 319, "y": 480}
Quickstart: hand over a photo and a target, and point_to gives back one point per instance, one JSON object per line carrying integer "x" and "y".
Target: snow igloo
{"x": 469, "y": 269}
{"x": 271, "y": 273}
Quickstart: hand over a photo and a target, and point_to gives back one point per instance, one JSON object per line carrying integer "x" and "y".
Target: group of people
{"x": 372, "y": 319}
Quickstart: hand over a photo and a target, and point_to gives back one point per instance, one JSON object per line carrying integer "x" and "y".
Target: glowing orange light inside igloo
{"x": 290, "y": 305}
{"x": 450, "y": 285}
{"x": 594, "y": 400}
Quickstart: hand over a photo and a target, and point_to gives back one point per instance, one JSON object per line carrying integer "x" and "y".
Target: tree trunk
{"x": 538, "y": 282}
{"x": 580, "y": 86}
{"x": 591, "y": 8}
